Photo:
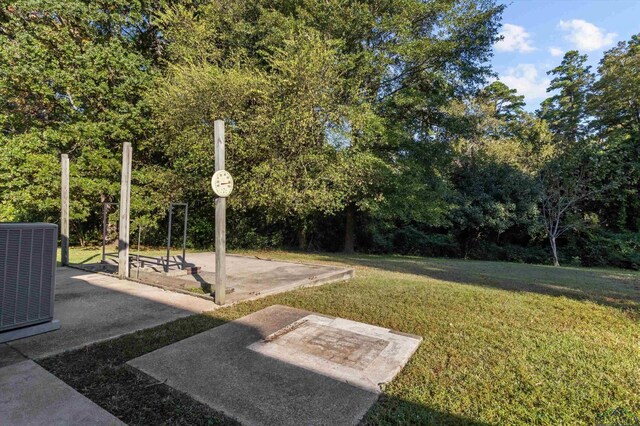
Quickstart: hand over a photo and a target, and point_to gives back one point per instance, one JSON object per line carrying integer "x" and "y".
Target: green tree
{"x": 493, "y": 169}
{"x": 72, "y": 76}
{"x": 566, "y": 111}
{"x": 616, "y": 98}
{"x": 492, "y": 198}
{"x": 505, "y": 102}
{"x": 567, "y": 182}
{"x": 615, "y": 105}
{"x": 332, "y": 105}
{"x": 286, "y": 102}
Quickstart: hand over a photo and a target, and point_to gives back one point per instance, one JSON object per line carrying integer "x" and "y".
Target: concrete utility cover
{"x": 30, "y": 395}
{"x": 284, "y": 366}
{"x": 359, "y": 354}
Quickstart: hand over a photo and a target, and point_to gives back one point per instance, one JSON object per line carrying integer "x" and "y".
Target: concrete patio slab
{"x": 30, "y": 395}
{"x": 248, "y": 277}
{"x": 94, "y": 307}
{"x": 283, "y": 366}
{"x": 253, "y": 277}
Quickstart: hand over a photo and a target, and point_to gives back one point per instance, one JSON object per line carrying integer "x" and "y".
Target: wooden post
{"x": 125, "y": 199}
{"x": 221, "y": 225}
{"x": 64, "y": 215}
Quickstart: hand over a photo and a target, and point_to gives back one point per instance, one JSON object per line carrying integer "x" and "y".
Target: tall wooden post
{"x": 64, "y": 215}
{"x": 125, "y": 204}
{"x": 221, "y": 220}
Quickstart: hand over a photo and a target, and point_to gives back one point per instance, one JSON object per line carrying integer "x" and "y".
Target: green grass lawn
{"x": 503, "y": 343}
{"x": 93, "y": 254}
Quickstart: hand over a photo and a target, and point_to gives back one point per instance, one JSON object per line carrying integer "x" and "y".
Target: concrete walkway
{"x": 91, "y": 308}
{"x": 94, "y": 307}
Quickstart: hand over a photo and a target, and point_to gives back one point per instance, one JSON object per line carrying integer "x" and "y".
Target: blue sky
{"x": 538, "y": 33}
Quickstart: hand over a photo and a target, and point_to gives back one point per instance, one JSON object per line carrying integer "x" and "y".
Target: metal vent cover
{"x": 27, "y": 273}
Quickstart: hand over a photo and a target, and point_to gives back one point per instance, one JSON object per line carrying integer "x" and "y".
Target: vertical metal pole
{"x": 221, "y": 205}
{"x": 125, "y": 205}
{"x": 138, "y": 256}
{"x": 166, "y": 269}
{"x": 104, "y": 232}
{"x": 184, "y": 235}
{"x": 64, "y": 207}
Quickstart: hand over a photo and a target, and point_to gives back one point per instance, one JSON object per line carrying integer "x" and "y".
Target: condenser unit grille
{"x": 27, "y": 273}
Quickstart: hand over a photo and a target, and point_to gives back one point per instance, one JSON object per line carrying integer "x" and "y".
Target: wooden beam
{"x": 64, "y": 212}
{"x": 220, "y": 287}
{"x": 125, "y": 205}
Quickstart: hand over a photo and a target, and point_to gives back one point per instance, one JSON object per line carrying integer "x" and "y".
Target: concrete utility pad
{"x": 251, "y": 277}
{"x": 284, "y": 366}
{"x": 30, "y": 395}
{"x": 94, "y": 307}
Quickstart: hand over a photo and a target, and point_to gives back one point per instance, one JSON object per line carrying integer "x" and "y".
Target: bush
{"x": 510, "y": 253}
{"x": 603, "y": 248}
{"x": 409, "y": 240}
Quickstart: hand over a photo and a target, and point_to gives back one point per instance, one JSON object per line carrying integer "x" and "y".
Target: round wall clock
{"x": 222, "y": 183}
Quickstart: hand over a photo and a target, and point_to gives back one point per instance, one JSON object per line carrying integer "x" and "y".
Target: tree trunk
{"x": 302, "y": 238}
{"x": 554, "y": 250}
{"x": 349, "y": 231}
{"x": 79, "y": 234}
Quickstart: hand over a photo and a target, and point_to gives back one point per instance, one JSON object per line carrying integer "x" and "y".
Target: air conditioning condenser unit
{"x": 27, "y": 279}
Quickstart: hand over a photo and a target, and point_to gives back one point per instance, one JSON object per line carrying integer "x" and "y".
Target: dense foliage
{"x": 367, "y": 124}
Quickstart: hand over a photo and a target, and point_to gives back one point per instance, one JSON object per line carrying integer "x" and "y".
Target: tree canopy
{"x": 372, "y": 125}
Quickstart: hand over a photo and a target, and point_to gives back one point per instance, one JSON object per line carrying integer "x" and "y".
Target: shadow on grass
{"x": 395, "y": 411}
{"x": 99, "y": 372}
{"x": 83, "y": 261}
{"x": 89, "y": 259}
{"x": 610, "y": 288}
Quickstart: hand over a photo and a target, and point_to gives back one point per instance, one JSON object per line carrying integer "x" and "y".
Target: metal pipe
{"x": 138, "y": 257}
{"x": 184, "y": 235}
{"x": 104, "y": 231}
{"x": 169, "y": 236}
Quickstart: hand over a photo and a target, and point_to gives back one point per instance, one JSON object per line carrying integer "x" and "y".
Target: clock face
{"x": 222, "y": 183}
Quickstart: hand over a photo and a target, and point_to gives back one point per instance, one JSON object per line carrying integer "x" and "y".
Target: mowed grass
{"x": 93, "y": 254}
{"x": 503, "y": 343}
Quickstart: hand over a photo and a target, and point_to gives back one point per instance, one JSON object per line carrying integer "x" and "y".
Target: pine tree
{"x": 566, "y": 111}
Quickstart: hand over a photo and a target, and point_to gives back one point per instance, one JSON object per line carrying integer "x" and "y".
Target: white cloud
{"x": 586, "y": 36}
{"x": 556, "y": 51}
{"x": 515, "y": 38}
{"x": 526, "y": 79}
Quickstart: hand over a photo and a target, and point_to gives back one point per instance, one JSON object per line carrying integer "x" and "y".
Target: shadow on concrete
{"x": 204, "y": 285}
{"x": 609, "y": 288}
{"x": 94, "y": 307}
{"x": 252, "y": 387}
{"x": 248, "y": 277}
{"x": 99, "y": 372}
